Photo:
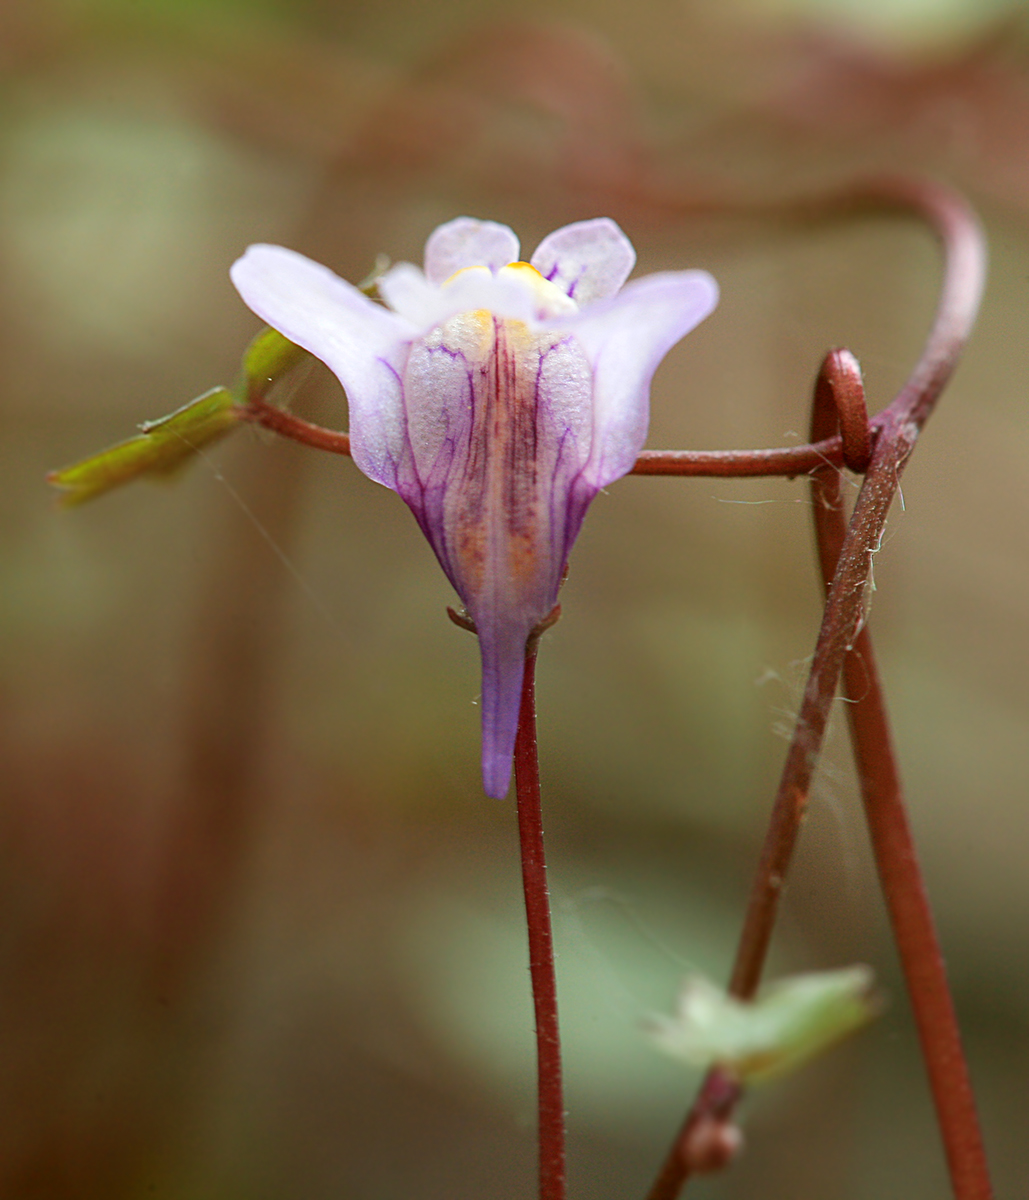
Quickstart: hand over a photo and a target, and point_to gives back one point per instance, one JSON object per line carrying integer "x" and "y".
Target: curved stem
{"x": 541, "y": 946}
{"x": 964, "y": 250}
{"x": 896, "y": 857}
{"x": 897, "y": 430}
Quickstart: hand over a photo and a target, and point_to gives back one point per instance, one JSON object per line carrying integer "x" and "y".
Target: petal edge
{"x": 363, "y": 344}
{"x": 589, "y": 260}
{"x": 466, "y": 242}
{"x": 625, "y": 340}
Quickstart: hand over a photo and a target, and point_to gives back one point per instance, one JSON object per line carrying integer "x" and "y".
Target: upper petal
{"x": 363, "y": 344}
{"x": 589, "y": 260}
{"x": 465, "y": 242}
{"x": 624, "y": 341}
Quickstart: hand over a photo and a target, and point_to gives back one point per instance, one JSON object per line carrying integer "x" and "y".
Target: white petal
{"x": 363, "y": 344}
{"x": 625, "y": 340}
{"x": 407, "y": 291}
{"x": 589, "y": 260}
{"x": 465, "y": 242}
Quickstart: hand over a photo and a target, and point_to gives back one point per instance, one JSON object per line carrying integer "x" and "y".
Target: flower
{"x": 497, "y": 397}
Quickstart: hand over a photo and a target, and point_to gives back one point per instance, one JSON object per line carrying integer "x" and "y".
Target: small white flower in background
{"x": 497, "y": 397}
{"x": 790, "y": 1021}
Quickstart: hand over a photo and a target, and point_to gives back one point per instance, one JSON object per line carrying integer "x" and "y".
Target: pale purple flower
{"x": 497, "y": 398}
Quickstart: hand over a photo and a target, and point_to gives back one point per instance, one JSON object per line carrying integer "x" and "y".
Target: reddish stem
{"x": 897, "y": 429}
{"x": 278, "y": 420}
{"x": 788, "y": 460}
{"x": 709, "y": 1122}
{"x": 541, "y": 946}
{"x": 892, "y": 841}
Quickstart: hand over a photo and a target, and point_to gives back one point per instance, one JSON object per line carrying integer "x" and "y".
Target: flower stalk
{"x": 550, "y": 1095}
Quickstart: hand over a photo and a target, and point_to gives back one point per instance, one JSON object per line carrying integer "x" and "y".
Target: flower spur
{"x": 496, "y": 397}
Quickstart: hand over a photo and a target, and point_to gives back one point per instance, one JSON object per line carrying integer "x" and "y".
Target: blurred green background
{"x": 260, "y": 934}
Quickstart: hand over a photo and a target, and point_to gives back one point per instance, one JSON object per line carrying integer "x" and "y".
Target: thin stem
{"x": 278, "y": 420}
{"x": 896, "y": 857}
{"x": 541, "y": 946}
{"x": 708, "y": 1125}
{"x": 897, "y": 430}
{"x": 913, "y": 927}
{"x": 844, "y": 613}
{"x": 787, "y": 460}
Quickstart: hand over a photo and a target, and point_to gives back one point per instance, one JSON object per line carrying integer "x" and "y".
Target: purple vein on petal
{"x": 494, "y": 404}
